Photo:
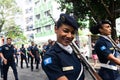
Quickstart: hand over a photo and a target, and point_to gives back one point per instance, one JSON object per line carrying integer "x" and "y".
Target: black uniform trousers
{"x": 24, "y": 58}
{"x": 6, "y": 67}
{"x": 1, "y": 67}
{"x": 37, "y": 63}
{"x": 37, "y": 59}
{"x": 31, "y": 63}
{"x": 28, "y": 57}
{"x": 16, "y": 59}
{"x": 108, "y": 74}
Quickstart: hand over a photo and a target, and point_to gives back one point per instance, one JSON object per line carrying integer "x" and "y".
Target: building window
{"x": 30, "y": 28}
{"x": 37, "y": 2}
{"x": 28, "y": 2}
{"x": 29, "y": 19}
{"x": 47, "y": 13}
{"x": 37, "y": 16}
{"x": 39, "y": 29}
{"x": 45, "y": 0}
{"x": 48, "y": 27}
{"x": 29, "y": 10}
{"x": 31, "y": 36}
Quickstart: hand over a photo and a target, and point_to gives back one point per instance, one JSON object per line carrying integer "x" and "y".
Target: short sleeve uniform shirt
{"x": 103, "y": 48}
{"x": 8, "y": 52}
{"x": 57, "y": 62}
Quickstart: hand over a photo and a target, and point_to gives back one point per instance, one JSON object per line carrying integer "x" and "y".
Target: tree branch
{"x": 106, "y": 8}
{"x": 93, "y": 12}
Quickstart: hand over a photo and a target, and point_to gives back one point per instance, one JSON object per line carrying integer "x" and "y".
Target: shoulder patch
{"x": 48, "y": 61}
{"x": 103, "y": 48}
{"x": 0, "y": 49}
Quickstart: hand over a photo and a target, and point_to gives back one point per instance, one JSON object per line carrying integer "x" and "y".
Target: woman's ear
{"x": 100, "y": 30}
{"x": 55, "y": 28}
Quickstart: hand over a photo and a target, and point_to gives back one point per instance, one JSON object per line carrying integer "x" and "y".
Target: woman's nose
{"x": 69, "y": 34}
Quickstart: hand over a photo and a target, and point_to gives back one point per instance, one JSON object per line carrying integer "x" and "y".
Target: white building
{"x": 118, "y": 26}
{"x": 26, "y": 19}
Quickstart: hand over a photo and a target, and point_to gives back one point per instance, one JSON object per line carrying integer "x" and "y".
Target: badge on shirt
{"x": 6, "y": 48}
{"x": 48, "y": 61}
{"x": 103, "y": 48}
{"x": 67, "y": 68}
{"x": 111, "y": 48}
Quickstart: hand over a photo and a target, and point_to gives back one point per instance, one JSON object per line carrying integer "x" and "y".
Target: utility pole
{"x": 52, "y": 18}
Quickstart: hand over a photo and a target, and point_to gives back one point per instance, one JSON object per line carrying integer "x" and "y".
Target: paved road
{"x": 26, "y": 74}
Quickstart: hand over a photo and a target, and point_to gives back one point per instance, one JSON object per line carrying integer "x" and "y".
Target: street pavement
{"x": 26, "y": 74}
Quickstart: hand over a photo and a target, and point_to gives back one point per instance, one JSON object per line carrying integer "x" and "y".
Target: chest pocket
{"x": 6, "y": 48}
{"x": 69, "y": 62}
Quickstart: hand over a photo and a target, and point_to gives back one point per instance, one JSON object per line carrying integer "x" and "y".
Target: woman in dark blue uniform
{"x": 60, "y": 62}
{"x": 106, "y": 53}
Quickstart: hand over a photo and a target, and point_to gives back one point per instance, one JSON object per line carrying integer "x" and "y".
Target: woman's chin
{"x": 66, "y": 44}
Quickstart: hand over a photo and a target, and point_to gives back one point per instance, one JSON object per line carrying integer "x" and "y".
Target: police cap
{"x": 66, "y": 19}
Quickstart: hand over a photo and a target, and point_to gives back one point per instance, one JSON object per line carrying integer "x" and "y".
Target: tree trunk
{"x": 1, "y": 24}
{"x": 75, "y": 3}
{"x": 113, "y": 26}
{"x": 1, "y": 27}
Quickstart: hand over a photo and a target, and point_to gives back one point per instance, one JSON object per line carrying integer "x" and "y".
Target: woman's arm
{"x": 4, "y": 59}
{"x": 114, "y": 59}
{"x": 62, "y": 78}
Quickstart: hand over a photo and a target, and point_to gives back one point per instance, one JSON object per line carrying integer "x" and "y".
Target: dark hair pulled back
{"x": 95, "y": 29}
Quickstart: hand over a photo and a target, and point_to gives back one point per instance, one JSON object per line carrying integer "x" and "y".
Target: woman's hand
{"x": 62, "y": 78}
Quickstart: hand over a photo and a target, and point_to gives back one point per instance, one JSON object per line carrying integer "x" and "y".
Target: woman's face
{"x": 105, "y": 30}
{"x": 65, "y": 34}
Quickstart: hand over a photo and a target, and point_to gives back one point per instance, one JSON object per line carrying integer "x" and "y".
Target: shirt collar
{"x": 66, "y": 48}
{"x": 106, "y": 37}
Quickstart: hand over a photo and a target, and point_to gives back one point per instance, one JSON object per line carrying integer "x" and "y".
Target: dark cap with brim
{"x": 66, "y": 19}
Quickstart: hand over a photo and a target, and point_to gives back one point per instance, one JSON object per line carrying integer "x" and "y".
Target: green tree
{"x": 16, "y": 33}
{"x": 96, "y": 10}
{"x": 8, "y": 9}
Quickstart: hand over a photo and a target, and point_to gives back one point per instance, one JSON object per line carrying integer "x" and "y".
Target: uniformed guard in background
{"x": 37, "y": 57}
{"x": 106, "y": 51}
{"x": 7, "y": 54}
{"x": 16, "y": 55}
{"x": 48, "y": 46}
{"x": 28, "y": 54}
{"x": 1, "y": 67}
{"x": 33, "y": 50}
{"x": 60, "y": 62}
{"x": 23, "y": 56}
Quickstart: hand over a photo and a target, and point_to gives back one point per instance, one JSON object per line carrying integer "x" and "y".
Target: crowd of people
{"x": 11, "y": 56}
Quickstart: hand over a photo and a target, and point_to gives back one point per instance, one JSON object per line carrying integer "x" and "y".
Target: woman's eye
{"x": 73, "y": 32}
{"x": 66, "y": 31}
